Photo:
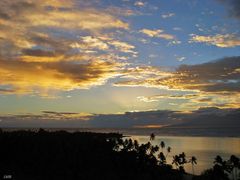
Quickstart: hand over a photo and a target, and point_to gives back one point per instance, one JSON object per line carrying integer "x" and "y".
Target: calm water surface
{"x": 203, "y": 143}
{"x": 204, "y": 148}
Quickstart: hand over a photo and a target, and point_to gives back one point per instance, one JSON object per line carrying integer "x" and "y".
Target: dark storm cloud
{"x": 6, "y": 91}
{"x": 38, "y": 52}
{"x": 4, "y": 15}
{"x": 11, "y": 10}
{"x": 58, "y": 113}
{"x": 219, "y": 75}
{"x": 203, "y": 117}
{"x": 233, "y": 7}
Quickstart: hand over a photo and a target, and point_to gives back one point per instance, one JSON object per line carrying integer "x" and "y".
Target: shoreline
{"x": 134, "y": 131}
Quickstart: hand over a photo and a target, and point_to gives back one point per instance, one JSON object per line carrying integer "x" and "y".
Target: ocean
{"x": 204, "y": 144}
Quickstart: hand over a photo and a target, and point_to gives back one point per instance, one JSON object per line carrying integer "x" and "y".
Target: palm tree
{"x": 130, "y": 145}
{"x": 179, "y": 161}
{"x": 168, "y": 150}
{"x": 148, "y": 146}
{"x": 234, "y": 163}
{"x": 152, "y": 137}
{"x": 176, "y": 160}
{"x": 154, "y": 149}
{"x": 162, "y": 145}
{"x": 218, "y": 160}
{"x": 182, "y": 158}
{"x": 136, "y": 145}
{"x": 221, "y": 166}
{"x": 162, "y": 158}
{"x": 193, "y": 161}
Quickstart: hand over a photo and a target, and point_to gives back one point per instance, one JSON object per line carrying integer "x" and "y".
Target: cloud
{"x": 233, "y": 7}
{"x": 107, "y": 44}
{"x": 180, "y": 58}
{"x": 87, "y": 20}
{"x": 157, "y": 33}
{"x": 143, "y": 72}
{"x": 49, "y": 13}
{"x": 205, "y": 99}
{"x": 167, "y": 96}
{"x": 46, "y": 119}
{"x": 219, "y": 40}
{"x": 6, "y": 91}
{"x": 146, "y": 99}
{"x": 40, "y": 78}
{"x": 151, "y": 33}
{"x": 217, "y": 76}
{"x": 38, "y": 53}
{"x": 164, "y": 16}
{"x": 220, "y": 78}
{"x": 139, "y": 3}
{"x": 177, "y": 29}
{"x": 191, "y": 101}
{"x": 66, "y": 116}
{"x": 65, "y": 119}
{"x": 63, "y": 41}
{"x": 123, "y": 46}
{"x": 121, "y": 11}
{"x": 89, "y": 42}
{"x": 153, "y": 56}
{"x": 217, "y": 118}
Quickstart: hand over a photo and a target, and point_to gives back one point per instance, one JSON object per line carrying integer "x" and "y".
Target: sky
{"x": 116, "y": 56}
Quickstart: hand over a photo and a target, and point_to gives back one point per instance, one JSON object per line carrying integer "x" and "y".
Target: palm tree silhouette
{"x": 148, "y": 146}
{"x": 154, "y": 149}
{"x": 136, "y": 144}
{"x": 168, "y": 150}
{"x": 176, "y": 160}
{"x": 179, "y": 161}
{"x": 235, "y": 164}
{"x": 193, "y": 161}
{"x": 218, "y": 160}
{"x": 162, "y": 158}
{"x": 152, "y": 137}
{"x": 162, "y": 145}
{"x": 130, "y": 145}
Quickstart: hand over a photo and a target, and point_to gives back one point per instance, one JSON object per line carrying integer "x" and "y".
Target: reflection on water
{"x": 204, "y": 148}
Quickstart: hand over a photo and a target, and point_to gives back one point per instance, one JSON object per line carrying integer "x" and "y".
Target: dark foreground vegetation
{"x": 43, "y": 155}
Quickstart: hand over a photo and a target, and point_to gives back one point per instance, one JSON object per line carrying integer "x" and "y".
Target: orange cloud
{"x": 213, "y": 83}
{"x": 157, "y": 33}
{"x": 104, "y": 44}
{"x": 219, "y": 40}
{"x": 218, "y": 76}
{"x": 42, "y": 46}
{"x": 35, "y": 77}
